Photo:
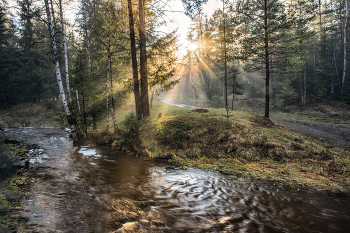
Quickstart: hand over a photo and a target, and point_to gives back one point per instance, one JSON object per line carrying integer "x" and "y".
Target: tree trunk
{"x": 65, "y": 51}
{"x": 115, "y": 127}
{"x": 304, "y": 84}
{"x": 200, "y": 71}
{"x": 233, "y": 92}
{"x": 76, "y": 92}
{"x": 70, "y": 118}
{"x": 143, "y": 62}
{"x": 336, "y": 69}
{"x": 153, "y": 89}
{"x": 94, "y": 121}
{"x": 107, "y": 86}
{"x": 320, "y": 16}
{"x": 225, "y": 60}
{"x": 53, "y": 14}
{"x": 134, "y": 62}
{"x": 81, "y": 121}
{"x": 345, "y": 40}
{"x": 246, "y": 78}
{"x": 189, "y": 77}
{"x": 87, "y": 41}
{"x": 332, "y": 87}
{"x": 301, "y": 91}
{"x": 267, "y": 64}
{"x": 84, "y": 114}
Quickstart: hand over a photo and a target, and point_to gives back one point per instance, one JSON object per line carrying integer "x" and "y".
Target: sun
{"x": 186, "y": 47}
{"x": 192, "y": 47}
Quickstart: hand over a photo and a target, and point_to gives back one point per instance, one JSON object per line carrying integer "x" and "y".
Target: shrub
{"x": 131, "y": 124}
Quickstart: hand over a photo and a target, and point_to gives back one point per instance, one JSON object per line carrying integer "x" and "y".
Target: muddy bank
{"x": 54, "y": 182}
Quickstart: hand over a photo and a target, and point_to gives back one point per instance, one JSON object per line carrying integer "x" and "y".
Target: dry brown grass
{"x": 29, "y": 114}
{"x": 247, "y": 145}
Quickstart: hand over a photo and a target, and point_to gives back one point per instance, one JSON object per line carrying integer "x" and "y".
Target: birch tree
{"x": 70, "y": 118}
{"x": 65, "y": 51}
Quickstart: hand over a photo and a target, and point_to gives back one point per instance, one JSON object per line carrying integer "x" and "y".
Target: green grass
{"x": 245, "y": 145}
{"x": 248, "y": 146}
{"x": 29, "y": 114}
{"x": 326, "y": 112}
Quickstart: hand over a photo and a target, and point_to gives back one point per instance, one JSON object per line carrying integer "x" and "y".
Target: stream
{"x": 96, "y": 189}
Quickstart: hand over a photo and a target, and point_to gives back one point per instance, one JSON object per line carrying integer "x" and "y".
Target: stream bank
{"x": 97, "y": 189}
{"x": 249, "y": 146}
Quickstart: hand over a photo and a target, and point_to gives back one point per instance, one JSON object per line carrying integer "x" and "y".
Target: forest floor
{"x": 328, "y": 122}
{"x": 245, "y": 145}
{"x": 309, "y": 155}
{"x": 249, "y": 146}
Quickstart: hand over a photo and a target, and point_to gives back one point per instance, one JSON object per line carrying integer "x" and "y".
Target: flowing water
{"x": 96, "y": 189}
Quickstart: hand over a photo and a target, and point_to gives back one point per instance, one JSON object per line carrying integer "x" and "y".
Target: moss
{"x": 14, "y": 184}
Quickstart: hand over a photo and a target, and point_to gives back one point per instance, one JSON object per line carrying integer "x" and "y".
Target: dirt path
{"x": 174, "y": 103}
{"x": 328, "y": 133}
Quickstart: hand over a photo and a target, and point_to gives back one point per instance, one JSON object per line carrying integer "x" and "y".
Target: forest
{"x": 291, "y": 53}
{"x": 174, "y": 116}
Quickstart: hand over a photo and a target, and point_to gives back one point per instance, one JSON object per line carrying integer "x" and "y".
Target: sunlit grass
{"x": 249, "y": 146}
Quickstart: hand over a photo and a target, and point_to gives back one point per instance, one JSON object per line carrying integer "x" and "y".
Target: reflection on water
{"x": 199, "y": 201}
{"x": 95, "y": 189}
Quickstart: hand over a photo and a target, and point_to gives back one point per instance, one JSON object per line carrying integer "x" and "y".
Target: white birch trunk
{"x": 345, "y": 40}
{"x": 65, "y": 51}
{"x": 57, "y": 63}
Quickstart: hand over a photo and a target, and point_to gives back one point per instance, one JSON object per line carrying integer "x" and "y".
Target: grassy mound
{"x": 246, "y": 145}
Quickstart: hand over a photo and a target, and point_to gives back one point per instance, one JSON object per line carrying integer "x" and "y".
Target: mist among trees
{"x": 288, "y": 53}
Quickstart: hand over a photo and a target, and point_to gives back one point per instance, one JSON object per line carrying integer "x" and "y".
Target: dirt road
{"x": 328, "y": 133}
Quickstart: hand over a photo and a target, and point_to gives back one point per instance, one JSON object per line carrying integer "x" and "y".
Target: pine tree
{"x": 264, "y": 25}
